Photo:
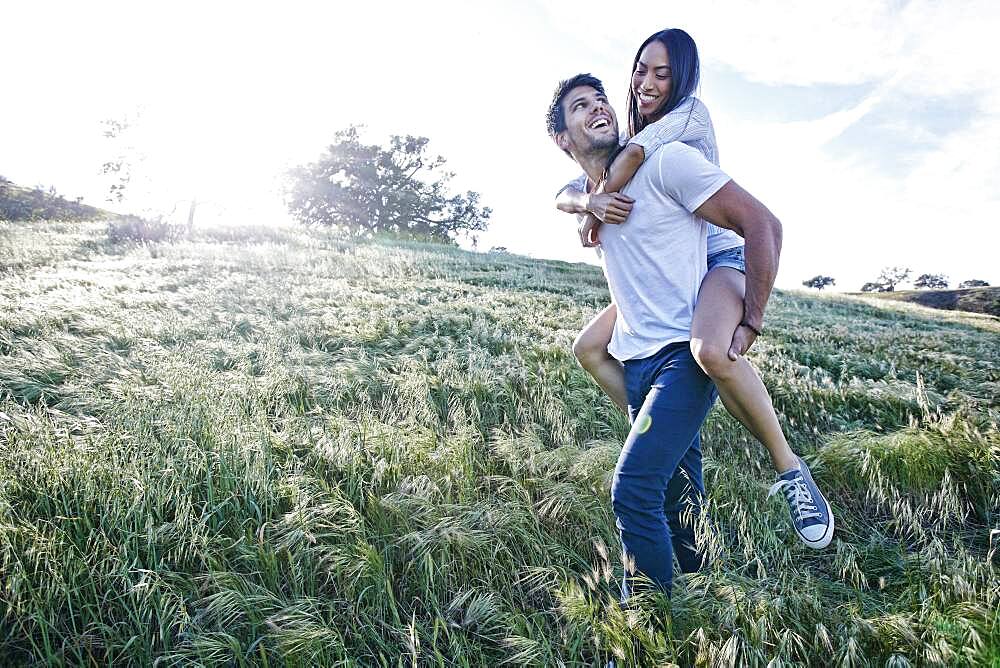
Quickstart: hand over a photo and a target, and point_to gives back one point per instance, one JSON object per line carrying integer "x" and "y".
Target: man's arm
{"x": 734, "y": 208}
{"x": 610, "y": 207}
{"x": 592, "y": 208}
{"x": 708, "y": 192}
{"x": 571, "y": 199}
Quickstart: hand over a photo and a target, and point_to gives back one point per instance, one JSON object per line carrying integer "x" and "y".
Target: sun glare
{"x": 208, "y": 156}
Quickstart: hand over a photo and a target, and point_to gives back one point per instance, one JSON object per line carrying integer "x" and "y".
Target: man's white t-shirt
{"x": 655, "y": 263}
{"x": 690, "y": 123}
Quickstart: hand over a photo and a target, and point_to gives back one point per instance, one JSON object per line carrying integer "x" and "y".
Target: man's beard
{"x": 604, "y": 146}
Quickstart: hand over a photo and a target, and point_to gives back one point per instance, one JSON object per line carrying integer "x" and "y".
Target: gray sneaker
{"x": 812, "y": 516}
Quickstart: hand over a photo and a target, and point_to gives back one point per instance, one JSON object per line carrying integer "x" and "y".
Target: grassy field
{"x": 975, "y": 300}
{"x": 275, "y": 448}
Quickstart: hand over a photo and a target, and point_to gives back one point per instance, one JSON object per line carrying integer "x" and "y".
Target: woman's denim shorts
{"x": 729, "y": 257}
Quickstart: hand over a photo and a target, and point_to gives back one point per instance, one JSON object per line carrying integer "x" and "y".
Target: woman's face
{"x": 651, "y": 79}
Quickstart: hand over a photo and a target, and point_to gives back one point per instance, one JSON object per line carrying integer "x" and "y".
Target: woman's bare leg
{"x": 716, "y": 316}
{"x": 591, "y": 349}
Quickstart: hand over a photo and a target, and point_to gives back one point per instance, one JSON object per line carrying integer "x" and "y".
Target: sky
{"x": 871, "y": 129}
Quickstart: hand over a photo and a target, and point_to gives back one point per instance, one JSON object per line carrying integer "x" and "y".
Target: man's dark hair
{"x": 555, "y": 119}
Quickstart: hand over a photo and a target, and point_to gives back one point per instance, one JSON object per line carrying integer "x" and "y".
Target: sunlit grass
{"x": 267, "y": 447}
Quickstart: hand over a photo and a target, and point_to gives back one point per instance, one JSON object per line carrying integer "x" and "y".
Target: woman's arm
{"x": 688, "y": 122}
{"x": 624, "y": 167}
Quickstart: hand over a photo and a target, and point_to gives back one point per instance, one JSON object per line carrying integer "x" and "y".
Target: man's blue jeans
{"x": 657, "y": 488}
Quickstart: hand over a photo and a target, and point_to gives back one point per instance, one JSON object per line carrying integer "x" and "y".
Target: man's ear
{"x": 562, "y": 141}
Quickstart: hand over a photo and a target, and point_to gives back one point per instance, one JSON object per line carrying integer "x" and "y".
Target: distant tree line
{"x": 364, "y": 189}
{"x": 39, "y": 203}
{"x": 890, "y": 277}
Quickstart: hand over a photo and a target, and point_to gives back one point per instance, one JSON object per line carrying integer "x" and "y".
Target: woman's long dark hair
{"x": 684, "y": 68}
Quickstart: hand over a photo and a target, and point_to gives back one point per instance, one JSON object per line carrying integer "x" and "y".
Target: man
{"x": 654, "y": 265}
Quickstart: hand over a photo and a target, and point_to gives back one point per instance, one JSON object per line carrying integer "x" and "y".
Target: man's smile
{"x": 601, "y": 121}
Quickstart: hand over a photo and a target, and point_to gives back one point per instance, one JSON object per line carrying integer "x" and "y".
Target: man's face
{"x": 591, "y": 125}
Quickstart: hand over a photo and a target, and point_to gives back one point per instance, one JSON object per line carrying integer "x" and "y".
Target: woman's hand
{"x": 588, "y": 231}
{"x": 610, "y": 207}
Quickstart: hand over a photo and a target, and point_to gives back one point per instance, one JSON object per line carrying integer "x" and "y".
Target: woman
{"x": 661, "y": 108}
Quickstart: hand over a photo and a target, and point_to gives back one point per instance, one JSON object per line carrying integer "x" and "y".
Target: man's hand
{"x": 588, "y": 231}
{"x": 610, "y": 207}
{"x": 743, "y": 338}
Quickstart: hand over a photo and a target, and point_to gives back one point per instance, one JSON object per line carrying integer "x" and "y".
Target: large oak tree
{"x": 366, "y": 189}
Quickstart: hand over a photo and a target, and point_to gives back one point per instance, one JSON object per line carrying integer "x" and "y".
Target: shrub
{"x": 134, "y": 228}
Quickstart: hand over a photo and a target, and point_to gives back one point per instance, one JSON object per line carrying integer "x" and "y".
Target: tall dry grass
{"x": 279, "y": 448}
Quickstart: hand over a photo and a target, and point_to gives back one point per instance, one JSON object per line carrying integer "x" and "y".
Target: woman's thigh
{"x": 597, "y": 333}
{"x": 719, "y": 309}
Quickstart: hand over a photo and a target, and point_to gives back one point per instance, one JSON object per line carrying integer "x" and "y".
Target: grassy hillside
{"x": 974, "y": 300}
{"x": 20, "y": 203}
{"x": 272, "y": 448}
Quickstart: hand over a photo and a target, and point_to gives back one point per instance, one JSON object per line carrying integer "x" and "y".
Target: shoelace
{"x": 798, "y": 497}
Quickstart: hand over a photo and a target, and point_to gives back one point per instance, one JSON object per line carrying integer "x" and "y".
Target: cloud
{"x": 771, "y": 42}
{"x": 864, "y": 125}
{"x": 846, "y": 214}
{"x": 901, "y": 129}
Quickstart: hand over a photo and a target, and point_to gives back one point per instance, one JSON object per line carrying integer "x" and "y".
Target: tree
{"x": 973, "y": 283}
{"x": 819, "y": 282}
{"x": 889, "y": 279}
{"x": 931, "y": 281}
{"x": 119, "y": 168}
{"x": 874, "y": 287}
{"x": 365, "y": 189}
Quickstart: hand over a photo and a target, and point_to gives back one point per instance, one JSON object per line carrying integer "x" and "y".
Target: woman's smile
{"x": 647, "y": 102}
{"x": 652, "y": 78}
